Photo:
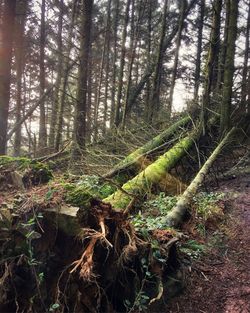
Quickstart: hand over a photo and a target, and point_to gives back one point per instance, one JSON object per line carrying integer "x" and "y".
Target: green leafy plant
{"x": 193, "y": 248}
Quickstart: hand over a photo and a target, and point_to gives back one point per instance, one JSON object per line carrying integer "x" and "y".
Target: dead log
{"x": 177, "y": 215}
{"x": 133, "y": 161}
{"x": 141, "y": 184}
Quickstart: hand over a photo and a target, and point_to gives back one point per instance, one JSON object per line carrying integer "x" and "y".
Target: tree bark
{"x": 199, "y": 50}
{"x": 105, "y": 52}
{"x": 211, "y": 62}
{"x": 155, "y": 97}
{"x": 121, "y": 68}
{"x": 245, "y": 65}
{"x": 176, "y": 54}
{"x": 6, "y": 43}
{"x": 133, "y": 46}
{"x": 225, "y": 119}
{"x": 19, "y": 54}
{"x": 81, "y": 102}
{"x": 64, "y": 81}
{"x": 55, "y": 105}
{"x": 114, "y": 59}
{"x": 42, "y": 121}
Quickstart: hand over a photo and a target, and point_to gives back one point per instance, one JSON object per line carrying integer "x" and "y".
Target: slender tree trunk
{"x": 42, "y": 122}
{"x": 6, "y": 42}
{"x": 122, "y": 63}
{"x": 245, "y": 65}
{"x": 133, "y": 45}
{"x": 176, "y": 54}
{"x": 55, "y": 105}
{"x": 149, "y": 31}
{"x": 81, "y": 103}
{"x": 199, "y": 50}
{"x": 211, "y": 61}
{"x": 222, "y": 57}
{"x": 105, "y": 104}
{"x": 248, "y": 94}
{"x": 113, "y": 89}
{"x": 229, "y": 68}
{"x": 155, "y": 97}
{"x": 19, "y": 53}
{"x": 64, "y": 80}
{"x": 104, "y": 56}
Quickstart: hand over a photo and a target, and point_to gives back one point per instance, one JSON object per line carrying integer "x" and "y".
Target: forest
{"x": 124, "y": 156}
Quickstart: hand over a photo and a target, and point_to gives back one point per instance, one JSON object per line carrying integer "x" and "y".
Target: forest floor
{"x": 219, "y": 281}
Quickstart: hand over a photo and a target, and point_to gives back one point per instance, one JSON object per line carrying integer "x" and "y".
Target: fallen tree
{"x": 133, "y": 161}
{"x": 153, "y": 174}
{"x": 177, "y": 215}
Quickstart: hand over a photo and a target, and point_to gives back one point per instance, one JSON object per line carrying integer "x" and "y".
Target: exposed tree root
{"x": 107, "y": 268}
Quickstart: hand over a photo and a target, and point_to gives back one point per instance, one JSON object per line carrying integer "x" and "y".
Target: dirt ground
{"x": 220, "y": 281}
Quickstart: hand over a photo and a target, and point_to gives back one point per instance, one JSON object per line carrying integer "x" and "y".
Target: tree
{"x": 42, "y": 121}
{"x": 55, "y": 106}
{"x": 197, "y": 73}
{"x": 212, "y": 61}
{"x": 6, "y": 44}
{"x": 79, "y": 135}
{"x": 245, "y": 65}
{"x": 121, "y": 68}
{"x": 155, "y": 97}
{"x": 225, "y": 119}
{"x": 183, "y": 6}
{"x": 19, "y": 55}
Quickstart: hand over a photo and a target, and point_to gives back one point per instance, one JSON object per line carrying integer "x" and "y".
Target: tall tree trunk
{"x": 183, "y": 6}
{"x": 42, "y": 121}
{"x": 199, "y": 50}
{"x": 121, "y": 69}
{"x": 133, "y": 45}
{"x": 6, "y": 42}
{"x": 64, "y": 80}
{"x": 155, "y": 97}
{"x": 223, "y": 51}
{"x": 105, "y": 104}
{"x": 105, "y": 52}
{"x": 55, "y": 104}
{"x": 248, "y": 94}
{"x": 229, "y": 68}
{"x": 211, "y": 61}
{"x": 19, "y": 53}
{"x": 245, "y": 65}
{"x": 81, "y": 102}
{"x": 149, "y": 34}
{"x": 113, "y": 88}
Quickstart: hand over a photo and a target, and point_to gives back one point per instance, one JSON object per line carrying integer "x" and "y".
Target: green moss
{"x": 142, "y": 183}
{"x": 20, "y": 162}
{"x": 33, "y": 172}
{"x": 87, "y": 188}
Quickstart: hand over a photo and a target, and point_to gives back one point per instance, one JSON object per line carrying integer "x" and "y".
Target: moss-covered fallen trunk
{"x": 134, "y": 160}
{"x": 142, "y": 184}
{"x": 177, "y": 215}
